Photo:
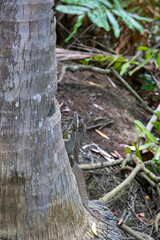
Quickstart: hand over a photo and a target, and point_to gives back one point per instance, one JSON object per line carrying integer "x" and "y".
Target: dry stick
{"x": 136, "y": 160}
{"x": 131, "y": 232}
{"x": 122, "y": 185}
{"x": 106, "y": 71}
{"x": 140, "y": 175}
{"x": 105, "y": 164}
{"x": 152, "y": 175}
{"x": 156, "y": 221}
{"x": 125, "y": 160}
{"x": 100, "y": 165}
{"x": 135, "y": 234}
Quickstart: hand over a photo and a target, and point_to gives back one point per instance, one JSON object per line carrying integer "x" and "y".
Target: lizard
{"x": 73, "y": 138}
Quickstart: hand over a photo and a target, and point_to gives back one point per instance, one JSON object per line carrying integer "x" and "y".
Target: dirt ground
{"x": 108, "y": 107}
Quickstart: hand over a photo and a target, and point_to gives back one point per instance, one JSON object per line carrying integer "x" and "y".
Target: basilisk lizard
{"x": 73, "y": 139}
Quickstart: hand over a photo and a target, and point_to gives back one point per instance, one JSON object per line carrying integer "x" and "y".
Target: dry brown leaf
{"x": 102, "y": 134}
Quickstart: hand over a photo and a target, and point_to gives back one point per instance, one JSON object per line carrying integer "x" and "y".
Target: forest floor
{"x": 108, "y": 107}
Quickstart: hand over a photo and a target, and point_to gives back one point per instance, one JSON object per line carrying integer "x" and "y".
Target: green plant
{"x": 119, "y": 63}
{"x": 122, "y": 64}
{"x": 148, "y": 82}
{"x": 151, "y": 142}
{"x": 153, "y": 54}
{"x": 102, "y": 13}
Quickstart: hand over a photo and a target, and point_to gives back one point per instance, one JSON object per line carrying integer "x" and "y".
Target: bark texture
{"x": 39, "y": 196}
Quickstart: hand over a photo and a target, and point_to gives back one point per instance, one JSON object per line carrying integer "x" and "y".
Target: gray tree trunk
{"x": 39, "y": 198}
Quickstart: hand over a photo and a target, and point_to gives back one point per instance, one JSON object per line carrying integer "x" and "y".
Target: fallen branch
{"x": 122, "y": 185}
{"x": 140, "y": 175}
{"x": 100, "y": 165}
{"x": 134, "y": 234}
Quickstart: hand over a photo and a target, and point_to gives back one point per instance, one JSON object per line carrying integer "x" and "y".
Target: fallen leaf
{"x": 147, "y": 197}
{"x": 94, "y": 230}
{"x": 102, "y": 134}
{"x": 98, "y": 106}
{"x": 94, "y": 84}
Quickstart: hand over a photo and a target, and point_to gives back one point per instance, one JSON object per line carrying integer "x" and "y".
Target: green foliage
{"x": 76, "y": 26}
{"x": 157, "y": 113}
{"x": 151, "y": 143}
{"x": 158, "y": 60}
{"x": 137, "y": 151}
{"x": 123, "y": 64}
{"x": 119, "y": 63}
{"x": 102, "y": 13}
{"x": 157, "y": 123}
{"x": 146, "y": 146}
{"x": 149, "y": 54}
{"x": 150, "y": 138}
{"x": 128, "y": 150}
{"x": 148, "y": 82}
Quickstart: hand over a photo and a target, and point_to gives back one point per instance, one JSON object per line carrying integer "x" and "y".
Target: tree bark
{"x": 39, "y": 198}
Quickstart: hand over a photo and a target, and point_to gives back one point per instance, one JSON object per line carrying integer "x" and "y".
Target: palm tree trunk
{"x": 39, "y": 198}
